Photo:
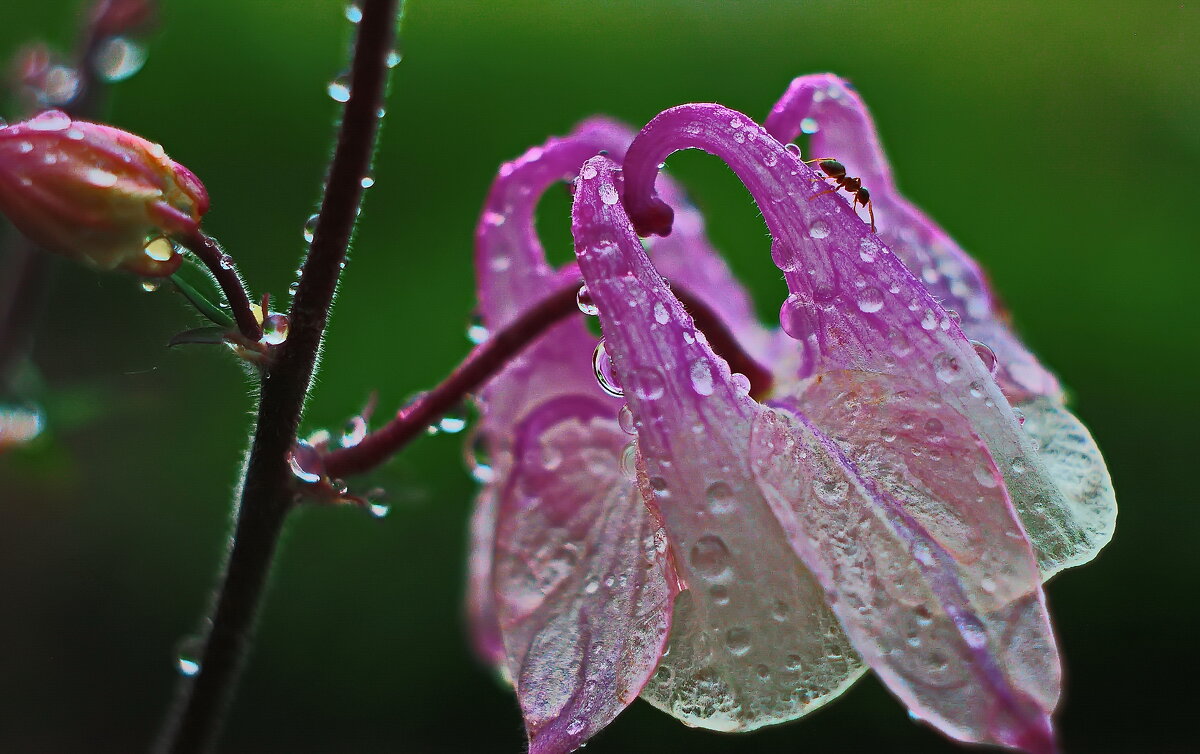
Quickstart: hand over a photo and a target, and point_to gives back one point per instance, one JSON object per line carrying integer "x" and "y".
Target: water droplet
{"x": 625, "y": 420}
{"x": 741, "y": 383}
{"x": 393, "y": 58}
{"x": 353, "y": 13}
{"x": 603, "y": 369}
{"x": 795, "y": 317}
{"x": 379, "y": 510}
{"x": 118, "y": 58}
{"x": 928, "y": 320}
{"x": 160, "y": 249}
{"x": 296, "y": 462}
{"x": 710, "y": 557}
{"x": 453, "y": 422}
{"x": 792, "y": 149}
{"x": 339, "y": 89}
{"x": 809, "y": 126}
{"x": 51, "y": 120}
{"x": 987, "y": 356}
{"x": 583, "y": 299}
{"x": 702, "y": 377}
{"x": 819, "y": 229}
{"x": 354, "y": 432}
{"x": 275, "y": 329}
{"x": 1020, "y": 416}
{"x": 628, "y": 463}
{"x": 870, "y": 300}
{"x": 608, "y": 194}
{"x": 310, "y": 227}
{"x": 367, "y": 182}
{"x": 476, "y": 332}
{"x": 647, "y": 383}
{"x": 187, "y": 655}
{"x": 1018, "y": 466}
{"x": 661, "y": 316}
{"x": 60, "y": 85}
{"x": 720, "y": 499}
{"x": 150, "y": 285}
{"x": 946, "y": 367}
{"x": 793, "y": 663}
{"x": 588, "y": 173}
{"x": 737, "y": 641}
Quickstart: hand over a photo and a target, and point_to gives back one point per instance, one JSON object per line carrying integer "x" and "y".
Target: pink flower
{"x": 881, "y": 506}
{"x": 96, "y": 193}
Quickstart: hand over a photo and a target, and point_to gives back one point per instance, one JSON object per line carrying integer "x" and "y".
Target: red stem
{"x": 495, "y": 353}
{"x": 227, "y": 277}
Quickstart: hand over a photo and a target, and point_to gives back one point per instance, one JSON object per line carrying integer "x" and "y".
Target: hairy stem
{"x": 227, "y": 277}
{"x": 267, "y": 492}
{"x": 491, "y": 356}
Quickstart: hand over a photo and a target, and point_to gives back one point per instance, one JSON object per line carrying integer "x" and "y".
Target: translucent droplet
{"x": 296, "y": 459}
{"x": 661, "y": 315}
{"x": 647, "y": 383}
{"x": 628, "y": 465}
{"x": 339, "y": 89}
{"x": 588, "y": 172}
{"x": 393, "y": 59}
{"x": 710, "y": 557}
{"x": 452, "y": 424}
{"x": 702, "y": 377}
{"x": 737, "y": 641}
{"x": 51, "y": 120}
{"x": 100, "y": 178}
{"x": 379, "y": 510}
{"x": 583, "y": 299}
{"x": 720, "y": 498}
{"x": 310, "y": 227}
{"x": 795, "y": 318}
{"x": 367, "y": 182}
{"x": 353, "y": 13}
{"x": 819, "y": 229}
{"x": 1020, "y": 416}
{"x": 476, "y": 332}
{"x": 625, "y": 420}
{"x": 119, "y": 58}
{"x": 187, "y": 655}
{"x": 603, "y": 369}
{"x": 870, "y": 300}
{"x": 354, "y": 432}
{"x": 809, "y": 126}
{"x": 792, "y": 149}
{"x": 476, "y": 455}
{"x": 987, "y": 356}
{"x": 608, "y": 194}
{"x": 741, "y": 383}
{"x": 150, "y": 285}
{"x": 61, "y": 85}
{"x": 160, "y": 249}
{"x": 275, "y": 329}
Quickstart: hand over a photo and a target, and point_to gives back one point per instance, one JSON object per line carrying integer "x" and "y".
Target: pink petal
{"x": 753, "y": 642}
{"x": 581, "y": 575}
{"x": 846, "y": 132}
{"x": 855, "y": 306}
{"x": 896, "y": 507}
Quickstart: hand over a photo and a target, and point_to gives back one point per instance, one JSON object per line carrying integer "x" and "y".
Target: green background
{"x": 1057, "y": 141}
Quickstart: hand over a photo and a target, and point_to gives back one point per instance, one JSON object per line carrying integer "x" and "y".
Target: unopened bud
{"x": 96, "y": 193}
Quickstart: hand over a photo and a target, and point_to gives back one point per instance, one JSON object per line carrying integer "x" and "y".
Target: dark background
{"x": 1057, "y": 141}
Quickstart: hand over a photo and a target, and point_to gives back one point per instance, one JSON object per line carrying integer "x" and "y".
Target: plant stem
{"x": 267, "y": 490}
{"x": 494, "y": 354}
{"x": 227, "y": 277}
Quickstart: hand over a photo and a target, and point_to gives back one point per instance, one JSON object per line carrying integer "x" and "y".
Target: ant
{"x": 837, "y": 171}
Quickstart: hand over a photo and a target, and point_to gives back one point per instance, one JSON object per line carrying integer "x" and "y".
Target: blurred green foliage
{"x": 1057, "y": 141}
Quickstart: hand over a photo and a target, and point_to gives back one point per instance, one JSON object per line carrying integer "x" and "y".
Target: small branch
{"x": 267, "y": 492}
{"x": 221, "y": 266}
{"x": 495, "y": 353}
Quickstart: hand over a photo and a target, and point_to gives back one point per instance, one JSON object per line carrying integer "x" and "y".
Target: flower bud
{"x": 96, "y": 193}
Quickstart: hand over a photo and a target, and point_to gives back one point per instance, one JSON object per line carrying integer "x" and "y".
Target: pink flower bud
{"x": 96, "y": 193}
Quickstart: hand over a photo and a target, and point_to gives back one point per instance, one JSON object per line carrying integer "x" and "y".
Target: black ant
{"x": 837, "y": 171}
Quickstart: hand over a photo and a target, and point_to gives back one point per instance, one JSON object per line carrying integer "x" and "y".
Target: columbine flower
{"x": 96, "y": 193}
{"x": 881, "y": 505}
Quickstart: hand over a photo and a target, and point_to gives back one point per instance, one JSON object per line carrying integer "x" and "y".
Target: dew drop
{"x": 51, "y": 120}
{"x": 793, "y": 663}
{"x": 603, "y": 369}
{"x": 310, "y": 227}
{"x": 583, "y": 299}
{"x": 379, "y": 510}
{"x": 647, "y": 383}
{"x": 476, "y": 456}
{"x": 1018, "y": 466}
{"x": 100, "y": 178}
{"x": 275, "y": 329}
{"x": 575, "y": 727}
{"x": 625, "y": 420}
{"x": 354, "y": 432}
{"x": 741, "y": 383}
{"x": 1020, "y": 416}
{"x": 160, "y": 249}
{"x": 661, "y": 316}
{"x": 118, "y": 59}
{"x": 588, "y": 172}
{"x": 476, "y": 332}
{"x": 792, "y": 149}
{"x": 187, "y": 655}
{"x": 819, "y": 229}
{"x": 339, "y": 89}
{"x": 719, "y": 594}
{"x": 393, "y": 58}
{"x": 452, "y": 423}
{"x": 628, "y": 463}
{"x": 150, "y": 285}
{"x": 946, "y": 367}
{"x": 710, "y": 557}
{"x": 702, "y": 377}
{"x": 795, "y": 318}
{"x": 367, "y": 182}
{"x": 608, "y": 194}
{"x": 987, "y": 356}
{"x": 720, "y": 499}
{"x": 870, "y": 300}
{"x": 737, "y": 641}
{"x": 353, "y": 13}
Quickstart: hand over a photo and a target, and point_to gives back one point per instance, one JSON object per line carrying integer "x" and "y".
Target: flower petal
{"x": 753, "y": 641}
{"x": 895, "y": 505}
{"x": 584, "y": 598}
{"x": 844, "y": 130}
{"x": 855, "y": 306}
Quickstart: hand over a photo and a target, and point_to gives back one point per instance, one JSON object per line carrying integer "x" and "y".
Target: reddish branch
{"x": 490, "y": 357}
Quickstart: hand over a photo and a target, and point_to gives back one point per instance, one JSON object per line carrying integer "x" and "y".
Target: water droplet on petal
{"x": 792, "y": 149}
{"x": 51, "y": 120}
{"x": 160, "y": 249}
{"x": 870, "y": 300}
{"x": 795, "y": 318}
{"x": 661, "y": 316}
{"x": 588, "y": 173}
{"x": 583, "y": 299}
{"x": 625, "y": 420}
{"x": 720, "y": 499}
{"x": 819, "y": 229}
{"x": 702, "y": 377}
{"x": 737, "y": 641}
{"x": 741, "y": 383}
{"x": 710, "y": 557}
{"x": 987, "y": 356}
{"x": 628, "y": 464}
{"x": 608, "y": 194}
{"x": 603, "y": 369}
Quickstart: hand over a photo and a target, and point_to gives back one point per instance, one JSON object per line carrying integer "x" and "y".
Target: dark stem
{"x": 221, "y": 266}
{"x": 267, "y": 492}
{"x": 491, "y": 356}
